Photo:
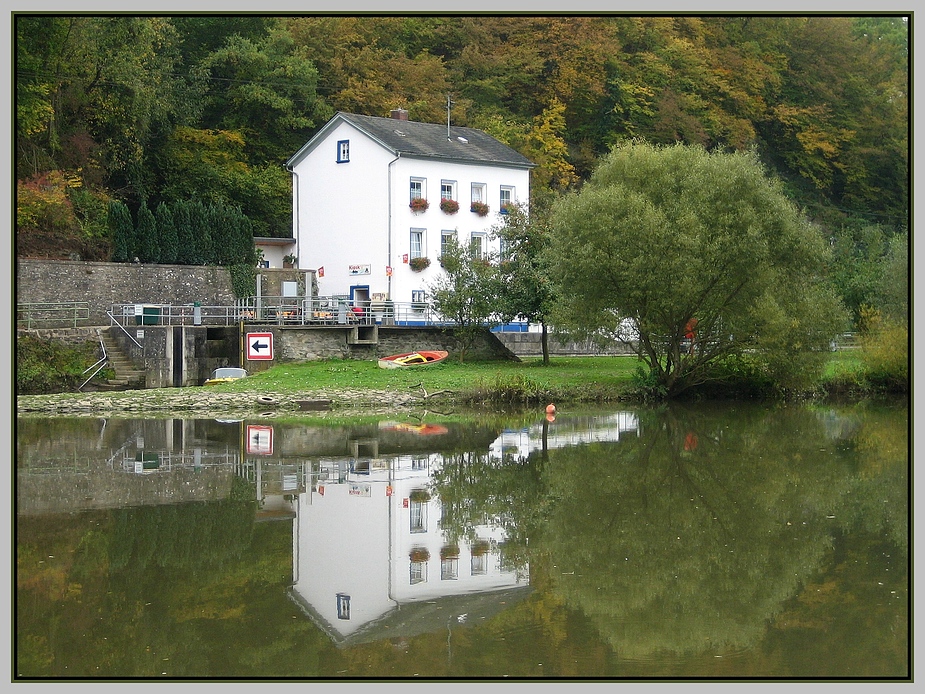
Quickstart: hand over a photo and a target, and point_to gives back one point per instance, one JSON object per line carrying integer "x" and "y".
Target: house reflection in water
{"x": 371, "y": 561}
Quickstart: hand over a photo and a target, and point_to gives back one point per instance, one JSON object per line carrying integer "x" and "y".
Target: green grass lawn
{"x": 574, "y": 378}
{"x": 847, "y": 364}
{"x": 572, "y": 373}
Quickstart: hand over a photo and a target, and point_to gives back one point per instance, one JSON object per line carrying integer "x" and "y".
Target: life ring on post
{"x": 266, "y": 400}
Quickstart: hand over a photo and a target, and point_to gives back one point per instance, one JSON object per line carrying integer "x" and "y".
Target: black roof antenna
{"x": 449, "y": 105}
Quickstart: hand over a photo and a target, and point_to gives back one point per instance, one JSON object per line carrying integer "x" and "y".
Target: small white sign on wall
{"x": 359, "y": 269}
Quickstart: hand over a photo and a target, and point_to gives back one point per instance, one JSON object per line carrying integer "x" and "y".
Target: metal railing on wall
{"x": 280, "y": 310}
{"x": 33, "y": 315}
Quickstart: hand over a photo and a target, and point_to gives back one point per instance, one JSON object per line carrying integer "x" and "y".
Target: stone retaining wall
{"x": 103, "y": 285}
{"x": 530, "y": 345}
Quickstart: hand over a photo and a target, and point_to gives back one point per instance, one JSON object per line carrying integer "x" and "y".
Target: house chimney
{"x": 399, "y": 114}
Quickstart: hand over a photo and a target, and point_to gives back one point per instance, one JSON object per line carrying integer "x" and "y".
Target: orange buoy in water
{"x": 550, "y": 409}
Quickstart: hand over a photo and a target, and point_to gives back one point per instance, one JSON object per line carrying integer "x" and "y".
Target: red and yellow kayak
{"x": 419, "y": 358}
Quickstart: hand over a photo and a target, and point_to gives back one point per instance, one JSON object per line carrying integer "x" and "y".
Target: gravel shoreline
{"x": 208, "y": 402}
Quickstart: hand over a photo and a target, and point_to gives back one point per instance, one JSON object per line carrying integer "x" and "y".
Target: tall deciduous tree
{"x": 663, "y": 235}
{"x": 466, "y": 294}
{"x": 266, "y": 90}
{"x": 525, "y": 289}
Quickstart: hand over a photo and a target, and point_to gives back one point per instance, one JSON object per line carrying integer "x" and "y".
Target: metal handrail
{"x": 335, "y": 311}
{"x": 113, "y": 321}
{"x": 57, "y": 311}
{"x": 100, "y": 364}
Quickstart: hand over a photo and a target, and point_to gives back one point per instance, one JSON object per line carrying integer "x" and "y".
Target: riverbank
{"x": 350, "y": 385}
{"x": 209, "y": 403}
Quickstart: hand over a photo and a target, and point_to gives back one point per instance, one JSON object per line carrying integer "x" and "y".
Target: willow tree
{"x": 664, "y": 236}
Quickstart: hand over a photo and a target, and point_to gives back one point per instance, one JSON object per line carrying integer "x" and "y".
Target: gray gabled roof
{"x": 410, "y": 619}
{"x": 425, "y": 140}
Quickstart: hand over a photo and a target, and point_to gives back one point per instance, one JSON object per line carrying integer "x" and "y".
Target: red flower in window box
{"x": 420, "y": 263}
{"x": 480, "y": 208}
{"x": 418, "y": 205}
{"x": 449, "y": 206}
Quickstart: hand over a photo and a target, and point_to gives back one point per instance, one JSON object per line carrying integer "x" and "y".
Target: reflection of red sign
{"x": 404, "y": 503}
{"x": 259, "y": 440}
{"x": 690, "y": 441}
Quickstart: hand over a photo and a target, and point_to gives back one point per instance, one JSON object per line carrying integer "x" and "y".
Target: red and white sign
{"x": 321, "y": 271}
{"x": 388, "y": 270}
{"x": 259, "y": 439}
{"x": 259, "y": 346}
{"x": 404, "y": 257}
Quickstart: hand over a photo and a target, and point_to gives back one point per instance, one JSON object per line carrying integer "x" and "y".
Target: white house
{"x": 372, "y": 561}
{"x": 353, "y": 184}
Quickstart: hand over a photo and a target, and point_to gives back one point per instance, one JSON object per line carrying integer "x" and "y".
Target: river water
{"x": 718, "y": 541}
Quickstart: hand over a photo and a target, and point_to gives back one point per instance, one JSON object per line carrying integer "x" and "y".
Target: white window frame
{"x": 419, "y": 462}
{"x": 478, "y": 566}
{"x": 418, "y": 517}
{"x": 478, "y": 192}
{"x": 506, "y": 195}
{"x": 417, "y": 572}
{"x": 449, "y": 569}
{"x": 343, "y": 151}
{"x": 418, "y": 185}
{"x": 417, "y": 250}
{"x": 482, "y": 239}
{"x": 504, "y": 250}
{"x": 447, "y": 190}
{"x": 343, "y": 606}
{"x": 444, "y": 235}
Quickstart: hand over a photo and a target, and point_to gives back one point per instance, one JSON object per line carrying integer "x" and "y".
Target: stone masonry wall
{"x": 102, "y": 285}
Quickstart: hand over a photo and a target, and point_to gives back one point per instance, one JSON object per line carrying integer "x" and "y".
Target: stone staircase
{"x": 127, "y": 376}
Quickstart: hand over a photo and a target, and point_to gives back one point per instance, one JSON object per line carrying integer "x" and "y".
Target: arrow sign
{"x": 259, "y": 346}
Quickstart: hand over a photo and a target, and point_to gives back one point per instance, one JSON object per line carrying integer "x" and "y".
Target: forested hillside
{"x": 207, "y": 109}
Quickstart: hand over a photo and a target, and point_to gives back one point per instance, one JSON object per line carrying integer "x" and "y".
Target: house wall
{"x": 341, "y": 213}
{"x": 353, "y": 218}
{"x": 434, "y": 221}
